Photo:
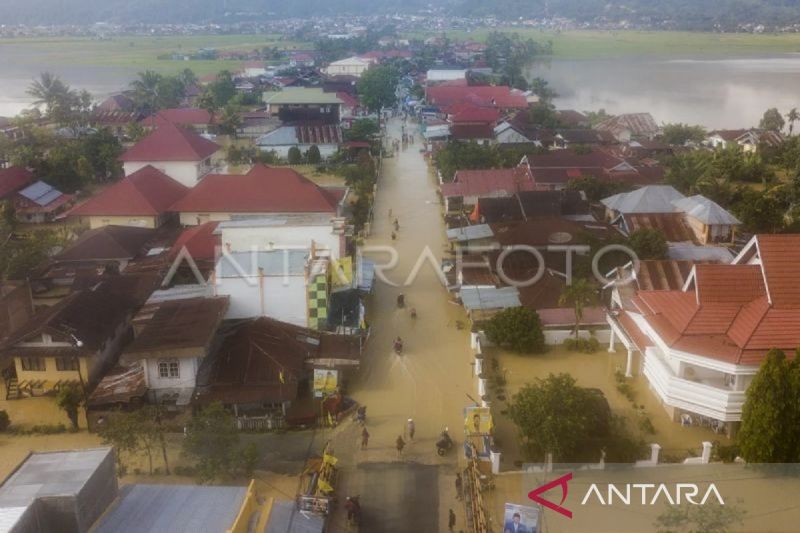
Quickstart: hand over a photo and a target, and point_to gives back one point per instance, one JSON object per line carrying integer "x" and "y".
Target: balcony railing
{"x": 706, "y": 400}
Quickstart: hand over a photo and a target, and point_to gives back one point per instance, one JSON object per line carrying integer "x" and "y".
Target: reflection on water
{"x": 717, "y": 93}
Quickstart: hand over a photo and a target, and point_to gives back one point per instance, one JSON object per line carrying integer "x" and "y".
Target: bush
{"x": 518, "y": 329}
{"x": 646, "y": 426}
{"x": 313, "y": 157}
{"x": 184, "y": 471}
{"x": 623, "y": 387}
{"x": 295, "y": 157}
{"x": 5, "y": 421}
{"x": 590, "y": 345}
{"x": 725, "y": 453}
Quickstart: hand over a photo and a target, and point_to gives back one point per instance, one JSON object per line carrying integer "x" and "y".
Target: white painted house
{"x": 700, "y": 346}
{"x": 179, "y": 153}
{"x": 171, "y": 339}
{"x": 351, "y": 66}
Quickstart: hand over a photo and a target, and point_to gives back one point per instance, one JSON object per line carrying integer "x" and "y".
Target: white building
{"x": 318, "y": 231}
{"x": 326, "y": 138}
{"x": 177, "y": 152}
{"x": 351, "y": 66}
{"x": 699, "y": 347}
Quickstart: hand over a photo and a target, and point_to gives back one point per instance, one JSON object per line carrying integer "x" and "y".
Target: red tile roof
{"x": 472, "y": 131}
{"x": 200, "y": 242}
{"x": 347, "y": 99}
{"x": 471, "y": 113}
{"x": 13, "y": 179}
{"x": 183, "y": 116}
{"x": 148, "y": 191}
{"x": 725, "y": 312}
{"x": 262, "y": 190}
{"x": 489, "y": 182}
{"x": 499, "y": 96}
{"x": 169, "y": 142}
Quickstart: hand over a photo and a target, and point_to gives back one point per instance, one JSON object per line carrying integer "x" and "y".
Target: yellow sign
{"x": 326, "y": 381}
{"x": 478, "y": 421}
{"x": 342, "y": 272}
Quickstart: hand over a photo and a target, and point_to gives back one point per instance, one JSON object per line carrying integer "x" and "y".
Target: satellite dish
{"x": 560, "y": 237}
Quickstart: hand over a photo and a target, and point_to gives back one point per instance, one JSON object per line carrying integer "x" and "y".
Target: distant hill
{"x": 673, "y": 14}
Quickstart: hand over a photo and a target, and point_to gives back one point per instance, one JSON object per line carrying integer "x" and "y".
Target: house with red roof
{"x": 181, "y": 154}
{"x": 142, "y": 199}
{"x": 200, "y": 120}
{"x": 470, "y": 185}
{"x": 497, "y": 96}
{"x": 263, "y": 191}
{"x": 14, "y": 179}
{"x": 700, "y": 346}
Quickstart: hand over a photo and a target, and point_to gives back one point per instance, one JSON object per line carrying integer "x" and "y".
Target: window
{"x": 33, "y": 364}
{"x": 168, "y": 368}
{"x": 66, "y": 363}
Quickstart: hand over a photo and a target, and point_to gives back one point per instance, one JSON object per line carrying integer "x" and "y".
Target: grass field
{"x": 138, "y": 53}
{"x": 142, "y": 53}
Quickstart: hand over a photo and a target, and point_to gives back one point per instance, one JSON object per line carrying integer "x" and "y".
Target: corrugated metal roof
{"x": 173, "y": 508}
{"x": 273, "y": 263}
{"x": 693, "y": 252}
{"x": 483, "y": 298}
{"x": 705, "y": 210}
{"x": 40, "y": 193}
{"x": 301, "y": 95}
{"x": 650, "y": 199}
{"x": 470, "y": 233}
{"x": 283, "y": 136}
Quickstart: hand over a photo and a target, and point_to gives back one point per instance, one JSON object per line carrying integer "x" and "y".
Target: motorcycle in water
{"x": 401, "y": 301}
{"x": 398, "y": 346}
{"x": 413, "y": 313}
{"x": 353, "y": 508}
{"x": 361, "y": 414}
{"x": 444, "y": 443}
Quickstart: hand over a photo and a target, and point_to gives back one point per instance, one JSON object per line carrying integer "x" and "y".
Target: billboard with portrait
{"x": 326, "y": 381}
{"x": 478, "y": 421}
{"x": 520, "y": 519}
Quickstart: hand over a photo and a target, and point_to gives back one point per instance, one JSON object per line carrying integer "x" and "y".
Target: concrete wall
{"x": 558, "y": 336}
{"x": 265, "y": 238}
{"x": 139, "y": 222}
{"x": 185, "y": 172}
{"x": 325, "y": 150}
{"x": 194, "y": 218}
{"x": 282, "y": 298}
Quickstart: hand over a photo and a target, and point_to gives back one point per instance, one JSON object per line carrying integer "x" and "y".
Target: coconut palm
{"x": 579, "y": 294}
{"x": 792, "y": 116}
{"x": 145, "y": 91}
{"x": 49, "y": 91}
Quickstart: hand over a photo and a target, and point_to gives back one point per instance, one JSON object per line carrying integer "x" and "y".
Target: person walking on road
{"x": 411, "y": 429}
{"x": 364, "y": 438}
{"x": 451, "y": 521}
{"x": 400, "y": 443}
{"x": 459, "y": 486}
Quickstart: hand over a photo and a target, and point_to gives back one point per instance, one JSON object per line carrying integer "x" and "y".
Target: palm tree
{"x": 792, "y": 116}
{"x": 145, "y": 90}
{"x": 49, "y": 91}
{"x": 579, "y": 294}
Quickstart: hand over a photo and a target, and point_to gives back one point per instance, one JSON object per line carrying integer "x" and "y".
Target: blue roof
{"x": 40, "y": 193}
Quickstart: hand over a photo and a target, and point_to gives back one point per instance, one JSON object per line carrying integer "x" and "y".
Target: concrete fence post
{"x": 705, "y": 458}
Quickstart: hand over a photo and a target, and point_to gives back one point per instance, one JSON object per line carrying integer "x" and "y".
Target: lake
{"x": 717, "y": 93}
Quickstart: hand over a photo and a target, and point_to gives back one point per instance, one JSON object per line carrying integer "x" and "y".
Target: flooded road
{"x": 431, "y": 380}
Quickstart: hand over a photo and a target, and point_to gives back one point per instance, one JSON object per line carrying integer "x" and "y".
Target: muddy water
{"x": 432, "y": 378}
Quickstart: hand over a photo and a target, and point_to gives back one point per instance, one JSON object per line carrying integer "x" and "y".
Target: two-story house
{"x": 701, "y": 345}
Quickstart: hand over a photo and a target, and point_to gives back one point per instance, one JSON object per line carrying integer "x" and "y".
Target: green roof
{"x": 301, "y": 95}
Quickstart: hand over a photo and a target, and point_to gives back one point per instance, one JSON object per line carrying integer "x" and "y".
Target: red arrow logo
{"x": 534, "y": 495}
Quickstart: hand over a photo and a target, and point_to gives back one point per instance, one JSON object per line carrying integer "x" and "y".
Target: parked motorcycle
{"x": 401, "y": 301}
{"x": 398, "y": 346}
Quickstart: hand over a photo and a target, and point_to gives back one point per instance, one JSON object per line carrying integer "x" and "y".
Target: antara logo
{"x": 626, "y": 494}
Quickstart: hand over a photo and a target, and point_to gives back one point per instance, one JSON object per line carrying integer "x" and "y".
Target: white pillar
{"x": 474, "y": 341}
{"x": 611, "y": 340}
{"x": 478, "y": 366}
{"x": 481, "y": 387}
{"x": 495, "y": 458}
{"x": 655, "y": 450}
{"x": 705, "y": 458}
{"x": 629, "y": 364}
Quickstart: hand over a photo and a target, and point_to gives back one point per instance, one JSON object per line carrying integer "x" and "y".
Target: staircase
{"x": 12, "y": 389}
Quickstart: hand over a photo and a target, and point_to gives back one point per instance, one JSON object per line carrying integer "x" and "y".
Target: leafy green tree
{"x": 376, "y": 88}
{"x": 69, "y": 398}
{"x": 517, "y": 328}
{"x": 221, "y": 91}
{"x": 135, "y": 132}
{"x": 770, "y": 430}
{"x": 760, "y": 212}
{"x": 579, "y": 294}
{"x": 212, "y": 441}
{"x": 102, "y": 150}
{"x": 679, "y": 133}
{"x": 648, "y": 243}
{"x": 363, "y": 129}
{"x": 597, "y": 189}
{"x": 791, "y": 117}
{"x": 18, "y": 257}
{"x": 230, "y": 120}
{"x": 465, "y": 155}
{"x": 772, "y": 120}
{"x": 187, "y": 77}
{"x": 49, "y": 91}
{"x": 685, "y": 169}
{"x": 313, "y": 157}
{"x": 5, "y": 421}
{"x": 120, "y": 429}
{"x": 295, "y": 156}
{"x": 145, "y": 91}
{"x": 555, "y": 415}
{"x": 596, "y": 117}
